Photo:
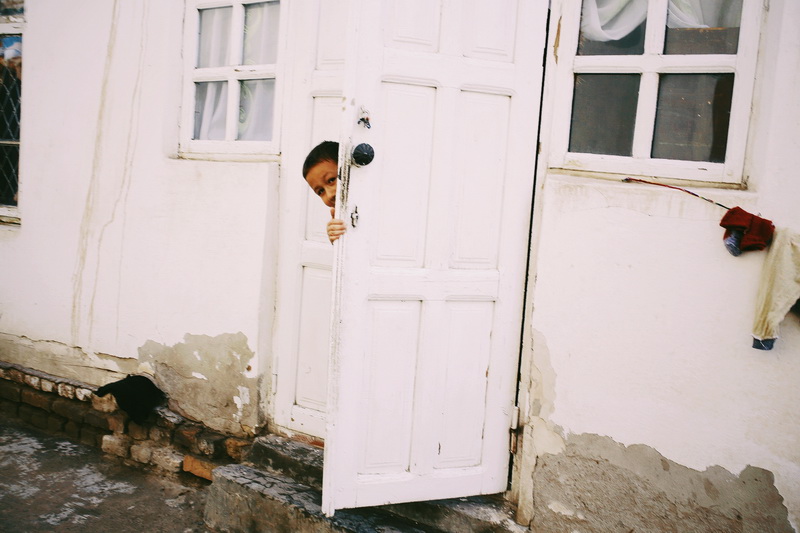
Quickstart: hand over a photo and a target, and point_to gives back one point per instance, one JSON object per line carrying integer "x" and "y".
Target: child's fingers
{"x": 336, "y": 228}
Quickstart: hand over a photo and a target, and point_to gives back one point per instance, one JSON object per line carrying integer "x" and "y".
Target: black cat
{"x": 136, "y": 395}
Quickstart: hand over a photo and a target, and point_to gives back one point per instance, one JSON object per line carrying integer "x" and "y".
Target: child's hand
{"x": 336, "y": 227}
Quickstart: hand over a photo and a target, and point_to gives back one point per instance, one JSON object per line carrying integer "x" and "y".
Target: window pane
{"x": 256, "y": 106}
{"x": 604, "y": 113}
{"x": 11, "y": 7}
{"x": 9, "y": 159}
{"x": 210, "y": 110}
{"x": 612, "y": 27}
{"x": 708, "y": 27}
{"x": 214, "y": 38}
{"x": 261, "y": 33}
{"x": 693, "y": 116}
{"x": 10, "y": 83}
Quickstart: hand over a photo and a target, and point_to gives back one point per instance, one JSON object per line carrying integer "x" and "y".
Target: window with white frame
{"x": 11, "y": 25}
{"x": 656, "y": 87}
{"x": 230, "y": 95}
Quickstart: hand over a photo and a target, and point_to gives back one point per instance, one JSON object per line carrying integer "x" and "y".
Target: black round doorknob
{"x": 363, "y": 154}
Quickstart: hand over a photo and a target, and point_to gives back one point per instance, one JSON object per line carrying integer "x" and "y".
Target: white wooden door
{"x": 313, "y": 109}
{"x": 429, "y": 282}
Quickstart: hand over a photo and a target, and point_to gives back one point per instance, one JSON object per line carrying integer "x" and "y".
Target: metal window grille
{"x": 10, "y": 105}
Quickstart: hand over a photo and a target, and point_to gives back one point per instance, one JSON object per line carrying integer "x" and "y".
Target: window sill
{"x": 229, "y": 157}
{"x": 9, "y": 216}
{"x": 619, "y": 177}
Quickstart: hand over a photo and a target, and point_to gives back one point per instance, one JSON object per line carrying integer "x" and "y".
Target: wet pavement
{"x": 50, "y": 484}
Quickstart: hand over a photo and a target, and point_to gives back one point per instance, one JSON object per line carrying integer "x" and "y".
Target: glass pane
{"x": 10, "y": 86}
{"x": 210, "y": 110}
{"x": 693, "y": 116}
{"x": 612, "y": 27}
{"x": 9, "y": 162}
{"x": 707, "y": 27}
{"x": 256, "y": 106}
{"x": 10, "y": 107}
{"x": 214, "y": 38}
{"x": 261, "y": 33}
{"x": 604, "y": 113}
{"x": 12, "y": 7}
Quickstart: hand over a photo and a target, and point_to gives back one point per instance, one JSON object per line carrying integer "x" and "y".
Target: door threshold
{"x": 302, "y": 463}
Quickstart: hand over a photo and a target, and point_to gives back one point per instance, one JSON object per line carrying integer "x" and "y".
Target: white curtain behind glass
{"x": 257, "y": 96}
{"x": 211, "y": 98}
{"x": 611, "y": 20}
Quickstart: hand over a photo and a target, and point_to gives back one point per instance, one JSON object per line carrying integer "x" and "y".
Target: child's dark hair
{"x": 324, "y": 151}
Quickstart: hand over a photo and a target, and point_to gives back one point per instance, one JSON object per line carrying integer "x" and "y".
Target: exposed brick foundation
{"x": 166, "y": 441}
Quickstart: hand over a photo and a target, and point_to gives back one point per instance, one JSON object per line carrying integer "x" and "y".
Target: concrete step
{"x": 282, "y": 473}
{"x": 244, "y": 499}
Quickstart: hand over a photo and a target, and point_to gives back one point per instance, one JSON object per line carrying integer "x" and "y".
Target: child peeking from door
{"x": 321, "y": 172}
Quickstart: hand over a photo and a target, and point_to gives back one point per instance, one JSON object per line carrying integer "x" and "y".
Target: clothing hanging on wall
{"x": 779, "y": 288}
{"x": 745, "y": 231}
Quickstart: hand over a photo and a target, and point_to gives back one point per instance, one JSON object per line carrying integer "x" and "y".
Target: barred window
{"x": 11, "y": 12}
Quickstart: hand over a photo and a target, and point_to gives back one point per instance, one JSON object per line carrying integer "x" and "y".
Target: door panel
{"x": 313, "y": 110}
{"x": 429, "y": 283}
{"x": 405, "y": 174}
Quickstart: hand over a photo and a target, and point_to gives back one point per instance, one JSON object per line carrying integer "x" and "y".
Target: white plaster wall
{"x": 641, "y": 319}
{"x": 121, "y": 241}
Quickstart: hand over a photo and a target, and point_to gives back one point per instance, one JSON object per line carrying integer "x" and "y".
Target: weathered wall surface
{"x": 123, "y": 245}
{"x": 640, "y": 332}
{"x": 598, "y": 485}
{"x": 208, "y": 379}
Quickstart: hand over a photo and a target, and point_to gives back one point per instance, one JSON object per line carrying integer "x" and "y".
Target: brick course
{"x": 9, "y": 408}
{"x": 200, "y": 467}
{"x": 166, "y": 441}
{"x": 75, "y": 411}
{"x": 56, "y": 423}
{"x": 9, "y": 391}
{"x": 42, "y": 400}
{"x": 98, "y": 420}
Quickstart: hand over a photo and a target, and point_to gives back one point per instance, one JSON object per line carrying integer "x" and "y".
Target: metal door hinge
{"x": 512, "y": 432}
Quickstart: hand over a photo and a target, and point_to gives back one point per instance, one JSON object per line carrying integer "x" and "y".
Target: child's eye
{"x": 331, "y": 180}
{"x": 320, "y": 191}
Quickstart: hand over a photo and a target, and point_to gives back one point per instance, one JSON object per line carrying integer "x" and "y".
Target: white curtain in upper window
{"x": 259, "y": 43}
{"x": 611, "y": 20}
{"x": 213, "y": 51}
{"x": 261, "y": 33}
{"x": 704, "y": 13}
{"x": 257, "y": 97}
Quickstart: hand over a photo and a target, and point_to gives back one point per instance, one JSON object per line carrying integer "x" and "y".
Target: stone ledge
{"x": 303, "y": 463}
{"x": 243, "y": 499}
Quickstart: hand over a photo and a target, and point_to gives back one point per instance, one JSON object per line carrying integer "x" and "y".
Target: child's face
{"x": 322, "y": 180}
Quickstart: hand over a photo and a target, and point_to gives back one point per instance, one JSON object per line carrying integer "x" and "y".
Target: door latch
{"x": 354, "y": 217}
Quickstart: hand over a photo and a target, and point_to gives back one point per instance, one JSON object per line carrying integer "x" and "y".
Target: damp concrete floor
{"x": 52, "y": 484}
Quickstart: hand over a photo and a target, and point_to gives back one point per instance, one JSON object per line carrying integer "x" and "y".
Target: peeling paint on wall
{"x": 598, "y": 485}
{"x": 60, "y": 359}
{"x": 208, "y": 379}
